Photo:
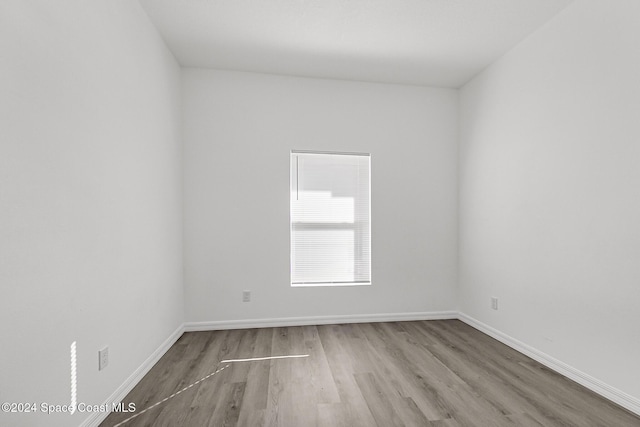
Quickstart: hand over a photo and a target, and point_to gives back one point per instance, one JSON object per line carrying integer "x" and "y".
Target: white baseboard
{"x": 317, "y": 320}
{"x": 97, "y": 417}
{"x": 617, "y": 396}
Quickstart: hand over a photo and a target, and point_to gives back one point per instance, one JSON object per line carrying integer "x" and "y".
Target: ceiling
{"x": 424, "y": 42}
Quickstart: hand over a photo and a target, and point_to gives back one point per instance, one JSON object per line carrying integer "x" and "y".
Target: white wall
{"x": 239, "y": 129}
{"x": 90, "y": 199}
{"x": 550, "y": 192}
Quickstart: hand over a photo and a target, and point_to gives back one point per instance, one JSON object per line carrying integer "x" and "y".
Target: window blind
{"x": 330, "y": 218}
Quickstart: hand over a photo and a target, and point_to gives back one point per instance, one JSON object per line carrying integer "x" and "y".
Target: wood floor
{"x": 427, "y": 373}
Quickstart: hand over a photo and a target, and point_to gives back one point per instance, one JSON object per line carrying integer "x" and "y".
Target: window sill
{"x": 329, "y": 284}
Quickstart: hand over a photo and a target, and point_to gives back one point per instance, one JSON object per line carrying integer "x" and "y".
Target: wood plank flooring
{"x": 427, "y": 373}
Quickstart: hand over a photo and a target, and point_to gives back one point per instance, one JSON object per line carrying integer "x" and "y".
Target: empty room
{"x": 319, "y": 213}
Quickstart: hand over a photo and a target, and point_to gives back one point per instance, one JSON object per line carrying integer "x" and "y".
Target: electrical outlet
{"x": 246, "y": 296}
{"x": 494, "y": 303}
{"x": 103, "y": 358}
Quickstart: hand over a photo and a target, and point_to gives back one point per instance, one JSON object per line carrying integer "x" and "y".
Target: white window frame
{"x": 358, "y": 240}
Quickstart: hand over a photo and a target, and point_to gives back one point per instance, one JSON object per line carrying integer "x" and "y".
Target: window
{"x": 330, "y": 219}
